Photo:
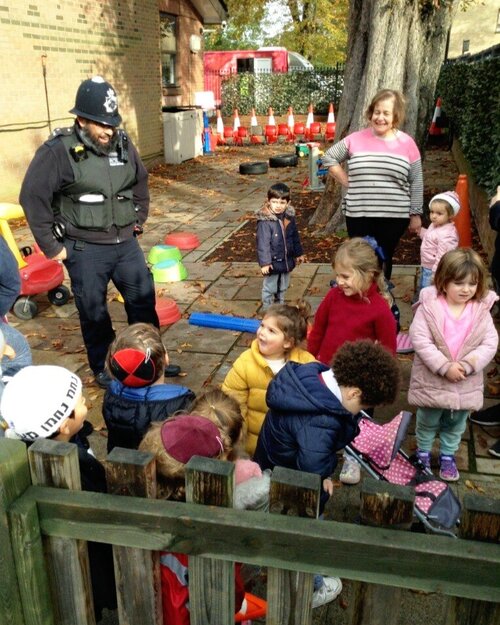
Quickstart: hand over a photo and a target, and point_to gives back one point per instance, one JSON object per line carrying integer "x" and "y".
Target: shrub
{"x": 470, "y": 95}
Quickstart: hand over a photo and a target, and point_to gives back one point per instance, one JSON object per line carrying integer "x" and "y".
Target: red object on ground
{"x": 271, "y": 134}
{"x": 463, "y": 218}
{"x": 256, "y": 609}
{"x": 183, "y": 240}
{"x": 299, "y": 128}
{"x": 40, "y": 273}
{"x": 330, "y": 131}
{"x": 435, "y": 129}
{"x": 283, "y": 130}
{"x": 167, "y": 311}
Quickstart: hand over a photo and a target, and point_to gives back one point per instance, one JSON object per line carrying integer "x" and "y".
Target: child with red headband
{"x": 138, "y": 395}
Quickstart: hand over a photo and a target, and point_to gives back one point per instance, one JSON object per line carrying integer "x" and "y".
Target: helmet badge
{"x": 111, "y": 101}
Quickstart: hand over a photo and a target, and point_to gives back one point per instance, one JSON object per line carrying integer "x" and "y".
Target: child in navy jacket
{"x": 278, "y": 244}
{"x": 312, "y": 408}
{"x": 137, "y": 396}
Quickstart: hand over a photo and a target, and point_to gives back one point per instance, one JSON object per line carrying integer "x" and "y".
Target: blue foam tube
{"x": 223, "y": 322}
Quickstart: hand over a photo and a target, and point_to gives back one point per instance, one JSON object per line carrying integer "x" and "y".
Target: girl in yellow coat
{"x": 282, "y": 330}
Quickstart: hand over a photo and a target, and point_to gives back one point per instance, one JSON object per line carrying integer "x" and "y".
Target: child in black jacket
{"x": 138, "y": 396}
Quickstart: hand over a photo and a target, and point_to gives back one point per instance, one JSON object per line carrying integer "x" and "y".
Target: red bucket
{"x": 183, "y": 240}
{"x": 167, "y": 310}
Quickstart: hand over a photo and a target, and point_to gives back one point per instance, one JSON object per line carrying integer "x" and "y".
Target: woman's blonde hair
{"x": 225, "y": 412}
{"x": 291, "y": 319}
{"x": 358, "y": 255}
{"x": 399, "y": 105}
{"x": 170, "y": 473}
{"x": 456, "y": 265}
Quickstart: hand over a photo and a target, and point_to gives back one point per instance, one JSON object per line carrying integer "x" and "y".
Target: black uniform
{"x": 98, "y": 199}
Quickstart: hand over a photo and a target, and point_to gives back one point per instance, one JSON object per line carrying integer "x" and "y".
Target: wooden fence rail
{"x": 32, "y": 516}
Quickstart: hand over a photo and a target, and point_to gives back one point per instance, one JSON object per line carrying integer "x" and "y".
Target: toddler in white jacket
{"x": 440, "y": 237}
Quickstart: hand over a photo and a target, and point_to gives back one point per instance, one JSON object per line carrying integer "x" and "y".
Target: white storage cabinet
{"x": 182, "y": 135}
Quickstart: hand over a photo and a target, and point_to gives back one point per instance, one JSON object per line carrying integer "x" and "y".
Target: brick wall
{"x": 77, "y": 39}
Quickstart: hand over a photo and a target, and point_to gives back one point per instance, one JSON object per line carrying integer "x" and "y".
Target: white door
{"x": 262, "y": 66}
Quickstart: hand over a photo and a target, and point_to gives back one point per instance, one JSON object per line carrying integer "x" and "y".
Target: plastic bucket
{"x": 169, "y": 271}
{"x": 158, "y": 253}
{"x": 183, "y": 240}
{"x": 167, "y": 310}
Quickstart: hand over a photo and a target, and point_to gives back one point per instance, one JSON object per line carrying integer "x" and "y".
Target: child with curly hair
{"x": 312, "y": 415}
{"x": 454, "y": 339}
{"x": 279, "y": 336}
{"x": 138, "y": 395}
{"x": 357, "y": 307}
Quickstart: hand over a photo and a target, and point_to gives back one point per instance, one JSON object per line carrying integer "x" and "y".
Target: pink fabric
{"x": 404, "y": 345}
{"x": 436, "y": 241}
{"x": 245, "y": 469}
{"x": 456, "y": 330}
{"x": 366, "y": 141}
{"x": 376, "y": 443}
{"x": 428, "y": 386}
{"x": 435, "y": 487}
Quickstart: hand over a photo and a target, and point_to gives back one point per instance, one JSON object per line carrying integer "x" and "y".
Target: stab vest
{"x": 101, "y": 194}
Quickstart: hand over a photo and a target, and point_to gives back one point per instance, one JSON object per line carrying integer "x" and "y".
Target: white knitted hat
{"x": 448, "y": 196}
{"x": 38, "y": 399}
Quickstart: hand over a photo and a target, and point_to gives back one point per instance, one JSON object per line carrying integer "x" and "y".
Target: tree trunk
{"x": 393, "y": 44}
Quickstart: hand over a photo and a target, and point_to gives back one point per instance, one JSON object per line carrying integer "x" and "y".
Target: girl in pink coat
{"x": 440, "y": 237}
{"x": 454, "y": 339}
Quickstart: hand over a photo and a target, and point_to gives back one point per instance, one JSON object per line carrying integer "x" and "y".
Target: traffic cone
{"x": 435, "y": 129}
{"x": 310, "y": 117}
{"x": 271, "y": 121}
{"x": 236, "y": 122}
{"x": 331, "y": 115}
{"x": 220, "y": 124}
{"x": 463, "y": 219}
{"x": 253, "y": 119}
{"x": 290, "y": 122}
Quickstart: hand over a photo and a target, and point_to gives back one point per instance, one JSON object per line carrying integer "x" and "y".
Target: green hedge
{"x": 281, "y": 90}
{"x": 470, "y": 95}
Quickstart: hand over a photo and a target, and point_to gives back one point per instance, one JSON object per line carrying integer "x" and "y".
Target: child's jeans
{"x": 424, "y": 280}
{"x": 449, "y": 424}
{"x": 274, "y": 288}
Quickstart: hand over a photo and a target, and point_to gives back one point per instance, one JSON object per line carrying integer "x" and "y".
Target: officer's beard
{"x": 94, "y": 145}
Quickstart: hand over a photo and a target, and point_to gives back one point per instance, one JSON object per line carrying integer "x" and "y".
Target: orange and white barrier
{"x": 290, "y": 121}
{"x": 462, "y": 220}
{"x": 435, "y": 130}
{"x": 253, "y": 119}
{"x": 331, "y": 115}
{"x": 310, "y": 117}
{"x": 236, "y": 122}
{"x": 271, "y": 120}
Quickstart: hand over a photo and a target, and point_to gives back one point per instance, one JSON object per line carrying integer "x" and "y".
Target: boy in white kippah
{"x": 46, "y": 401}
{"x": 440, "y": 237}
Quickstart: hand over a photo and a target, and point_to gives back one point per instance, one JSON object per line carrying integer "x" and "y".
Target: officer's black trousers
{"x": 90, "y": 268}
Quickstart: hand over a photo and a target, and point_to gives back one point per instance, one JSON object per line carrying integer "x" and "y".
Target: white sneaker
{"x": 332, "y": 587}
{"x": 351, "y": 471}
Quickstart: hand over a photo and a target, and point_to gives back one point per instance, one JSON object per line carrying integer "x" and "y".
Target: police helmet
{"x": 96, "y": 100}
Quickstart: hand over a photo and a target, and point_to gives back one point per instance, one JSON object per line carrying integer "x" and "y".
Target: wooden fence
{"x": 45, "y": 521}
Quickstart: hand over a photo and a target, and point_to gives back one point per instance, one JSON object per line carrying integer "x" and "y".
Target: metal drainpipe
{"x": 44, "y": 74}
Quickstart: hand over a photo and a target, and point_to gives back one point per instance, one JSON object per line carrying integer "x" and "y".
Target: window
{"x": 465, "y": 45}
{"x": 168, "y": 49}
{"x": 244, "y": 65}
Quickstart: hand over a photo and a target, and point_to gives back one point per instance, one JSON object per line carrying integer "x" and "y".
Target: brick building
{"x": 146, "y": 48}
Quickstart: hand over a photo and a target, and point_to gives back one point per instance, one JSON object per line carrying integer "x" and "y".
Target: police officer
{"x": 85, "y": 195}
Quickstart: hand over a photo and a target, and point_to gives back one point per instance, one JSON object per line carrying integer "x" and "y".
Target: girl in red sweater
{"x": 357, "y": 307}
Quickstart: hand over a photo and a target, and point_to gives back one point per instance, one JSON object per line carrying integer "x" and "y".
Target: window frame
{"x": 171, "y": 55}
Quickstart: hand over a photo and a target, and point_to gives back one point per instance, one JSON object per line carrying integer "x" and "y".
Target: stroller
{"x": 377, "y": 449}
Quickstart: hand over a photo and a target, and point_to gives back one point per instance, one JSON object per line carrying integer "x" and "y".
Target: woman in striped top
{"x": 383, "y": 183}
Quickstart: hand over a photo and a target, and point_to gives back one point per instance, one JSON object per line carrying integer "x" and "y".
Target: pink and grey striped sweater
{"x": 385, "y": 175}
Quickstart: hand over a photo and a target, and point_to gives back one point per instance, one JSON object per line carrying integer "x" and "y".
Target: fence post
{"x": 390, "y": 506}
{"x": 289, "y": 594}
{"x": 55, "y": 463}
{"x": 480, "y": 521}
{"x": 133, "y": 473}
{"x": 211, "y": 582}
{"x": 14, "y": 479}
